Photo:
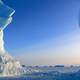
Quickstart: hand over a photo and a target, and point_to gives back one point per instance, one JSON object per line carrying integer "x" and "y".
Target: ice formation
{"x": 8, "y": 66}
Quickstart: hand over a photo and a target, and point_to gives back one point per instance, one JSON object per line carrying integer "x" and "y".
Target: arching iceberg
{"x": 8, "y": 66}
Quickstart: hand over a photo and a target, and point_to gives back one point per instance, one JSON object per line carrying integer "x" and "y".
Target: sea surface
{"x": 49, "y": 73}
{"x": 46, "y": 76}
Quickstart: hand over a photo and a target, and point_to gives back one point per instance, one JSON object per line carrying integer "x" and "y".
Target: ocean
{"x": 46, "y": 76}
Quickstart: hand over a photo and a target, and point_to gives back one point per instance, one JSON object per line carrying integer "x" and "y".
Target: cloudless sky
{"x": 44, "y": 32}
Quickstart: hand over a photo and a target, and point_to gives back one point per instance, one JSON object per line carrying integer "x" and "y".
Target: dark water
{"x": 24, "y": 78}
{"x": 46, "y": 76}
{"x": 18, "y": 78}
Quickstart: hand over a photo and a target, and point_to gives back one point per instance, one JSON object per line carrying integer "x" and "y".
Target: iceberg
{"x": 8, "y": 66}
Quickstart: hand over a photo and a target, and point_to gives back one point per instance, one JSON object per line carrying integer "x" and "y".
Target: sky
{"x": 44, "y": 32}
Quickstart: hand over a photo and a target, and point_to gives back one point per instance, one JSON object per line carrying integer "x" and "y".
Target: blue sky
{"x": 44, "y": 32}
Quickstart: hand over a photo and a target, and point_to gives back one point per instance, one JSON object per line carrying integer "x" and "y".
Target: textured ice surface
{"x": 5, "y": 15}
{"x": 5, "y": 11}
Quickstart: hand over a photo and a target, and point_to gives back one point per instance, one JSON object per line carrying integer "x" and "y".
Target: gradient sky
{"x": 44, "y": 32}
